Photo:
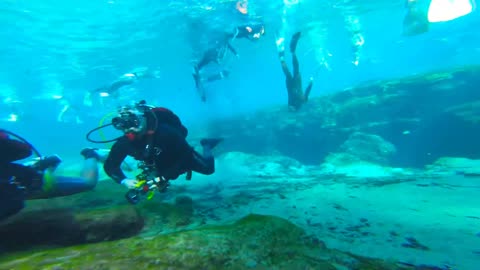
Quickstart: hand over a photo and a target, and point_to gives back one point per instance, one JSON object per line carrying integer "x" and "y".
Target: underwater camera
{"x": 146, "y": 189}
{"x": 146, "y": 186}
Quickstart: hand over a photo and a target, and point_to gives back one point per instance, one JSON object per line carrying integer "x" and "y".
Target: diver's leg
{"x": 199, "y": 86}
{"x": 205, "y": 164}
{"x": 209, "y": 56}
{"x": 293, "y": 47}
{"x": 285, "y": 70}
{"x": 57, "y": 186}
{"x": 294, "y": 41}
{"x": 308, "y": 89}
{"x": 202, "y": 164}
{"x": 296, "y": 67}
{"x": 60, "y": 117}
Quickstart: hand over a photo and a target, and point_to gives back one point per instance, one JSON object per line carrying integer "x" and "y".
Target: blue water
{"x": 54, "y": 48}
{"x": 75, "y": 46}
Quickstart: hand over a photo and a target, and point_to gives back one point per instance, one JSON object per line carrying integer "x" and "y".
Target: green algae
{"x": 253, "y": 242}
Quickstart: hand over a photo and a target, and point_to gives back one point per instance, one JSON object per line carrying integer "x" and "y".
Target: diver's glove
{"x": 129, "y": 183}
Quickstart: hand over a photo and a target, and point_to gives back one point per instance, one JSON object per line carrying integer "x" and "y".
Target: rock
{"x": 63, "y": 227}
{"x": 168, "y": 216}
{"x": 413, "y": 243}
{"x": 253, "y": 242}
{"x": 368, "y": 147}
{"x": 351, "y": 166}
{"x": 454, "y": 165}
{"x": 265, "y": 166}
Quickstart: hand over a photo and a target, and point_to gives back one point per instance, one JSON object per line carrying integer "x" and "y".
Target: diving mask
{"x": 129, "y": 120}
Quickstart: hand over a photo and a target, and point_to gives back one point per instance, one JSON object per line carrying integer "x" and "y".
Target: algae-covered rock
{"x": 254, "y": 242}
{"x": 61, "y": 227}
{"x": 168, "y": 217}
{"x": 369, "y": 147}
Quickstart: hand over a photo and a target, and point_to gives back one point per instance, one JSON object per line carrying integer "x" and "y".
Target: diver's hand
{"x": 129, "y": 183}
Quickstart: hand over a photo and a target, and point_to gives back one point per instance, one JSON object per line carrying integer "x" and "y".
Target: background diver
{"x": 416, "y": 19}
{"x": 124, "y": 80}
{"x": 20, "y": 182}
{"x": 156, "y": 137}
{"x": 218, "y": 53}
{"x": 296, "y": 96}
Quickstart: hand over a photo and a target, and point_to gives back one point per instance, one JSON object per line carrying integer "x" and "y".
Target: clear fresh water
{"x": 55, "y": 48}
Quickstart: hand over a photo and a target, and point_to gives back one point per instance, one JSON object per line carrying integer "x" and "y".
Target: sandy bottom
{"x": 432, "y": 220}
{"x": 418, "y": 218}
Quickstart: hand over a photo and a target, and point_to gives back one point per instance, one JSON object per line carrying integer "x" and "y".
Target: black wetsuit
{"x": 113, "y": 88}
{"x": 13, "y": 175}
{"x": 243, "y": 31}
{"x": 216, "y": 54}
{"x": 167, "y": 149}
{"x": 296, "y": 96}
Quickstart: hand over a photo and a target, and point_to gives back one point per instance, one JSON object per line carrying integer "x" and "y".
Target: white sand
{"x": 443, "y": 215}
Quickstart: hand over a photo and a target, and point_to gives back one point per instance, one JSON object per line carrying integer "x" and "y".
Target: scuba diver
{"x": 71, "y": 109}
{"x": 11, "y": 110}
{"x": 416, "y": 19}
{"x": 218, "y": 53}
{"x": 156, "y": 137}
{"x": 124, "y": 80}
{"x": 251, "y": 32}
{"x": 20, "y": 182}
{"x": 296, "y": 96}
{"x": 215, "y": 54}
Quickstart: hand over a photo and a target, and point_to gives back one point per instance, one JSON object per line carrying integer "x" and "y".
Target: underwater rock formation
{"x": 368, "y": 147}
{"x": 452, "y": 166}
{"x": 254, "y": 242}
{"x": 425, "y": 117}
{"x": 168, "y": 217}
{"x": 62, "y": 227}
{"x": 265, "y": 166}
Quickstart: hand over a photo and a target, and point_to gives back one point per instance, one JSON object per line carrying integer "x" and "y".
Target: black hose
{"x": 96, "y": 129}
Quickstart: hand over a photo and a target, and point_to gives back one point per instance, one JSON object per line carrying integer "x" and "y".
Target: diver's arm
{"x": 112, "y": 165}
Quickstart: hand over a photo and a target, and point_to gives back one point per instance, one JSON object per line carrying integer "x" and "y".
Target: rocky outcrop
{"x": 254, "y": 242}
{"x": 454, "y": 166}
{"x": 368, "y": 147}
{"x": 63, "y": 227}
{"x": 425, "y": 117}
